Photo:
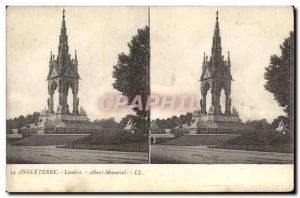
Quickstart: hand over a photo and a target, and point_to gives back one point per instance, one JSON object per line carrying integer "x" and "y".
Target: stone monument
{"x": 216, "y": 75}
{"x": 63, "y": 75}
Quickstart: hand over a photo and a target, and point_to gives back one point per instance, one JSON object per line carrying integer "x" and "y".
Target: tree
{"x": 259, "y": 124}
{"x": 174, "y": 121}
{"x": 21, "y": 121}
{"x": 131, "y": 73}
{"x": 276, "y": 122}
{"x": 107, "y": 123}
{"x": 279, "y": 74}
{"x": 138, "y": 121}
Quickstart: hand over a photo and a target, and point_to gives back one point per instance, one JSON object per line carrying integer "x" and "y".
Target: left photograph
{"x": 77, "y": 85}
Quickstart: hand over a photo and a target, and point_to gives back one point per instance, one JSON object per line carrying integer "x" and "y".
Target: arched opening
{"x": 69, "y": 90}
{"x": 70, "y": 99}
{"x": 222, "y": 100}
{"x": 53, "y": 98}
{"x": 69, "y": 95}
{"x": 206, "y": 96}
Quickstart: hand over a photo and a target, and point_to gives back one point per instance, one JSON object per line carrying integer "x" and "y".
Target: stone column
{"x": 216, "y": 104}
{"x": 62, "y": 104}
{"x": 203, "y": 104}
{"x": 50, "y": 103}
{"x": 228, "y": 104}
{"x": 75, "y": 103}
{"x": 66, "y": 102}
{"x": 60, "y": 97}
{"x": 212, "y": 104}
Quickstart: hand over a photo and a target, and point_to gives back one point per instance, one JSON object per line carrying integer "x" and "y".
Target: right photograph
{"x": 222, "y": 85}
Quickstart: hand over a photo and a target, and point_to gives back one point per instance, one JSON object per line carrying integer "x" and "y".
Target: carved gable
{"x": 71, "y": 72}
{"x": 206, "y": 74}
{"x": 53, "y": 73}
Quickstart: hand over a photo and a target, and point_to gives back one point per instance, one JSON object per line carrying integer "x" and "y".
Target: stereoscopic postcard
{"x": 150, "y": 99}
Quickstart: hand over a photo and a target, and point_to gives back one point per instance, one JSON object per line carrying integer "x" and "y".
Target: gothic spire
{"x": 50, "y": 56}
{"x": 229, "y": 65}
{"x": 228, "y": 58}
{"x": 63, "y": 47}
{"x": 203, "y": 63}
{"x": 75, "y": 59}
{"x": 216, "y": 50}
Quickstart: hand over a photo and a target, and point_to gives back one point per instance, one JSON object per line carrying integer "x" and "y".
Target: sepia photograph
{"x": 66, "y": 69}
{"x": 226, "y": 96}
{"x": 150, "y": 98}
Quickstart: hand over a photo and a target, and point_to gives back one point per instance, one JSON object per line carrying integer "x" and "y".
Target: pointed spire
{"x": 51, "y": 56}
{"x": 63, "y": 47}
{"x": 63, "y": 26}
{"x": 229, "y": 65}
{"x": 228, "y": 58}
{"x": 75, "y": 58}
{"x": 204, "y": 63}
{"x": 217, "y": 30}
{"x": 216, "y": 50}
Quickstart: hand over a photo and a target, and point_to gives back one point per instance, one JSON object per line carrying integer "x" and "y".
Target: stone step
{"x": 51, "y": 139}
{"x": 201, "y": 139}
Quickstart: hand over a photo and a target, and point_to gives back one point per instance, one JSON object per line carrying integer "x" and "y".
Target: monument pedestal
{"x": 59, "y": 123}
{"x": 59, "y": 117}
{"x": 217, "y": 124}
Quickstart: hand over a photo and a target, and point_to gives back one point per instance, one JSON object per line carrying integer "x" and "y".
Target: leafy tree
{"x": 131, "y": 73}
{"x": 174, "y": 121}
{"x": 107, "y": 123}
{"x": 21, "y": 121}
{"x": 276, "y": 122}
{"x": 186, "y": 119}
{"x": 138, "y": 121}
{"x": 259, "y": 124}
{"x": 279, "y": 74}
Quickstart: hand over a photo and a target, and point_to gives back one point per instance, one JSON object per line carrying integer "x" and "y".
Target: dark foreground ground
{"x": 202, "y": 155}
{"x": 53, "y": 155}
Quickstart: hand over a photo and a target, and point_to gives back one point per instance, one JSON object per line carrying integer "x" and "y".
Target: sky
{"x": 98, "y": 34}
{"x": 180, "y": 36}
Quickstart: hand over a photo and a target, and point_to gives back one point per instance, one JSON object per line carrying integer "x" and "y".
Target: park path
{"x": 204, "y": 155}
{"x": 53, "y": 155}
